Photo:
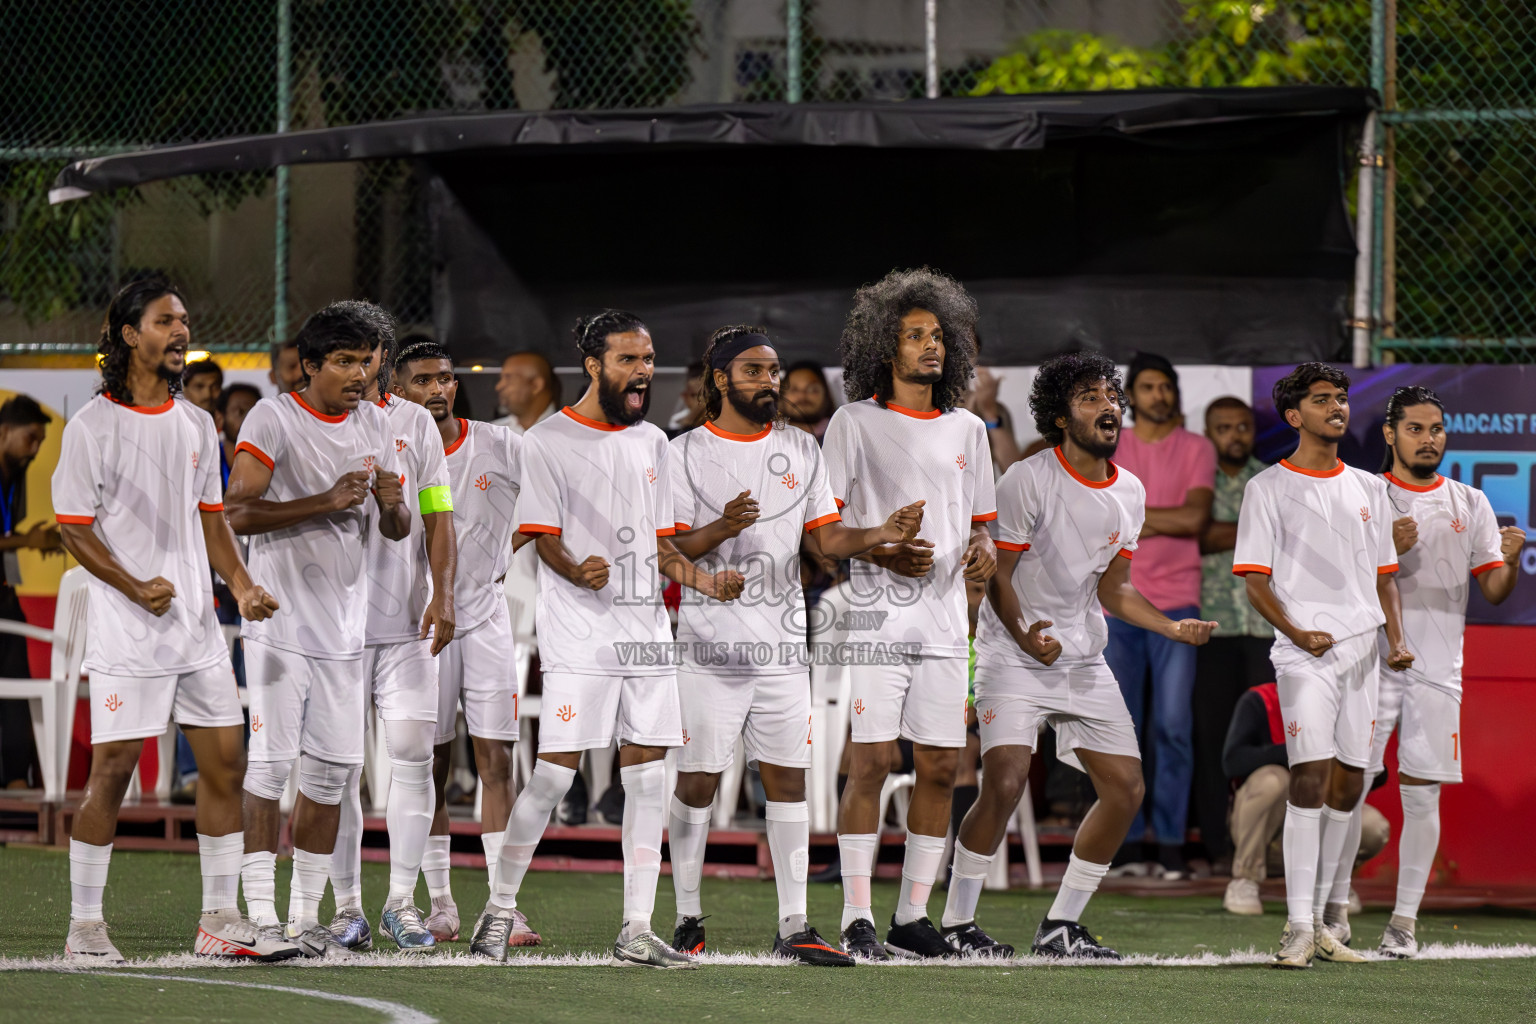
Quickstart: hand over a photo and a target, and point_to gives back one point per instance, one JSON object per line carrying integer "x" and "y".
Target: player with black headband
{"x": 903, "y": 437}
{"x": 410, "y": 623}
{"x": 1445, "y": 532}
{"x": 307, "y": 461}
{"x": 595, "y": 496}
{"x": 1314, "y": 544}
{"x": 744, "y": 491}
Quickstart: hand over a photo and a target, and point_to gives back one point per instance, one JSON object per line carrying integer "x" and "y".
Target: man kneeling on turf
{"x": 1067, "y": 524}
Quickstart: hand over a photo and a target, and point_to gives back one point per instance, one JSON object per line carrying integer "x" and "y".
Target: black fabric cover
{"x": 1209, "y": 225}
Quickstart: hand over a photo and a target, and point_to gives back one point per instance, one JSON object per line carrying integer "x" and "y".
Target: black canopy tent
{"x": 1209, "y": 225}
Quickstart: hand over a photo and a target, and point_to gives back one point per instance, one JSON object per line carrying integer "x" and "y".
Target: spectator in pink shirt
{"x": 1178, "y": 469}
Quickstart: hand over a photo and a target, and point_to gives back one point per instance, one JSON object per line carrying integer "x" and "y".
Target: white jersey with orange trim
{"x": 1067, "y": 529}
{"x": 880, "y": 459}
{"x": 483, "y": 475}
{"x": 399, "y": 578}
{"x": 1458, "y": 539}
{"x": 1323, "y": 537}
{"x": 603, "y": 490}
{"x": 317, "y": 569}
{"x": 140, "y": 477}
{"x": 764, "y": 631}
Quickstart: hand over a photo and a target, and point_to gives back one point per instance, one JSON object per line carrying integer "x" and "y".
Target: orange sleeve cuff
{"x": 1126, "y": 554}
{"x": 670, "y": 531}
{"x": 1007, "y": 545}
{"x": 985, "y": 517}
{"x": 261, "y": 456}
{"x": 1245, "y": 569}
{"x": 839, "y": 502}
{"x": 1382, "y": 570}
{"x": 682, "y": 527}
{"x": 76, "y": 520}
{"x": 835, "y": 517}
{"x": 204, "y": 506}
{"x": 553, "y": 531}
{"x": 1475, "y": 572}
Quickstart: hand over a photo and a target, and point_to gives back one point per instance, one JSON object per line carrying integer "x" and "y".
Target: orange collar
{"x": 316, "y": 413}
{"x": 145, "y": 410}
{"x": 463, "y": 433}
{"x": 1114, "y": 472}
{"x": 1320, "y": 473}
{"x": 710, "y": 426}
{"x": 587, "y": 422}
{"x": 931, "y": 415}
{"x": 1420, "y": 488}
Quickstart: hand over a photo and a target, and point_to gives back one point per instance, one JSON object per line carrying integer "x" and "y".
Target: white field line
{"x": 395, "y": 1013}
{"x": 182, "y": 961}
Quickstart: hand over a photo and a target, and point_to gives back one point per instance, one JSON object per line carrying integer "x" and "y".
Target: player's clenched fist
{"x": 1044, "y": 649}
{"x": 912, "y": 558}
{"x": 592, "y": 573}
{"x": 1405, "y": 533}
{"x": 154, "y": 596}
{"x": 1195, "y": 632}
{"x": 724, "y": 585}
{"x": 1314, "y": 641}
{"x": 1399, "y": 659}
{"x": 740, "y": 512}
{"x": 903, "y": 524}
{"x": 1511, "y": 543}
{"x": 980, "y": 559}
{"x": 256, "y": 604}
{"x": 387, "y": 486}
{"x": 350, "y": 490}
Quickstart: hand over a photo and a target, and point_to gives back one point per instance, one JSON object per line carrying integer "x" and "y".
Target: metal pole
{"x": 931, "y": 37}
{"x": 1388, "y": 180}
{"x": 1378, "y": 194}
{"x": 280, "y": 227}
{"x": 792, "y": 29}
{"x": 1365, "y": 208}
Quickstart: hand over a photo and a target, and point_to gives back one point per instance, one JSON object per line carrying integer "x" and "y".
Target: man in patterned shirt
{"x": 1237, "y": 658}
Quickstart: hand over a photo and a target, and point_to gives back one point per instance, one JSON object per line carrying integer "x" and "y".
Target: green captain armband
{"x": 435, "y": 499}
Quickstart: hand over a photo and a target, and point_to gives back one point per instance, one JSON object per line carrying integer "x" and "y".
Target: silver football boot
{"x": 351, "y": 930}
{"x": 1398, "y": 943}
{"x": 87, "y": 940}
{"x": 648, "y": 950}
{"x": 490, "y": 935}
{"x": 320, "y": 943}
{"x": 403, "y": 925}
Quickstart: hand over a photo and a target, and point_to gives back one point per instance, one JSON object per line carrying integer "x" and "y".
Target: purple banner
{"x": 1490, "y": 422}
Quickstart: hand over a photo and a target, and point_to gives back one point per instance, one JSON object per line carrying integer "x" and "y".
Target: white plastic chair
{"x": 830, "y": 685}
{"x": 51, "y": 701}
{"x": 1022, "y": 823}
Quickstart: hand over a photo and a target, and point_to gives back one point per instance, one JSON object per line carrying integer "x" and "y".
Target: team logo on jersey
{"x": 858, "y": 707}
{"x": 1365, "y": 514}
{"x": 960, "y": 461}
{"x": 989, "y": 717}
{"x": 1114, "y": 537}
{"x": 650, "y": 475}
{"x": 194, "y": 460}
{"x": 566, "y": 713}
{"x": 399, "y": 444}
{"x": 483, "y": 481}
{"x": 1458, "y": 525}
{"x": 789, "y": 480}
{"x": 112, "y": 703}
{"x": 368, "y": 463}
{"x": 1294, "y": 729}
{"x": 686, "y": 737}
{"x": 255, "y": 723}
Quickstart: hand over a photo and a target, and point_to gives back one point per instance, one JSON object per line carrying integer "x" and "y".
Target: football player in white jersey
{"x": 744, "y": 490}
{"x": 479, "y": 670}
{"x": 1443, "y": 531}
{"x": 303, "y": 467}
{"x": 594, "y": 494}
{"x": 908, "y": 349}
{"x": 1068, "y": 520}
{"x": 1314, "y": 543}
{"x": 137, "y": 495}
{"x": 410, "y": 622}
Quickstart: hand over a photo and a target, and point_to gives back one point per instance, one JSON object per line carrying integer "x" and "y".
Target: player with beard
{"x": 303, "y": 467}
{"x": 410, "y": 622}
{"x": 138, "y": 498}
{"x": 478, "y": 669}
{"x": 594, "y": 480}
{"x": 1068, "y": 519}
{"x": 904, "y": 437}
{"x": 1314, "y": 542}
{"x": 744, "y": 491}
{"x": 1444, "y": 530}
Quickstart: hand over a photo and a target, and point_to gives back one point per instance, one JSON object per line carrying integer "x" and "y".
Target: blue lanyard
{"x": 223, "y": 468}
{"x": 7, "y": 500}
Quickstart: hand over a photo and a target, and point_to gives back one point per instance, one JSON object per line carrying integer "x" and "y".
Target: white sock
{"x": 87, "y": 879}
{"x": 408, "y": 813}
{"x": 310, "y": 872}
{"x": 645, "y": 815}
{"x": 258, "y": 878}
{"x": 347, "y": 860}
{"x": 687, "y": 834}
{"x": 491, "y": 842}
{"x": 434, "y": 865}
{"x": 1338, "y": 895}
{"x": 1416, "y": 848}
{"x": 919, "y": 870}
{"x": 789, "y": 845}
{"x": 219, "y": 857}
{"x": 857, "y": 854}
{"x": 966, "y": 878}
{"x": 1078, "y": 885}
{"x": 1301, "y": 840}
{"x": 525, "y": 826}
{"x": 1333, "y": 833}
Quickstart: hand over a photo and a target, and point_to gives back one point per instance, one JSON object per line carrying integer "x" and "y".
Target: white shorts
{"x": 582, "y": 712}
{"x": 299, "y": 704}
{"x": 403, "y": 678}
{"x": 1328, "y": 704}
{"x": 923, "y": 701}
{"x": 480, "y": 669}
{"x": 136, "y": 707}
{"x": 771, "y": 713}
{"x": 1081, "y": 700}
{"x": 1428, "y": 723}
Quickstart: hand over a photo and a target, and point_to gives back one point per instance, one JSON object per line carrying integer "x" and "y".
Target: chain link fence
{"x": 258, "y": 251}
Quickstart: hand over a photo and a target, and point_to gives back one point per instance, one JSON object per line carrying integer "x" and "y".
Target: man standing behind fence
{"x": 1178, "y": 468}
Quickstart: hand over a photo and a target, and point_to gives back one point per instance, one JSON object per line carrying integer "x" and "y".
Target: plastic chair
{"x": 51, "y": 701}
{"x": 830, "y": 684}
